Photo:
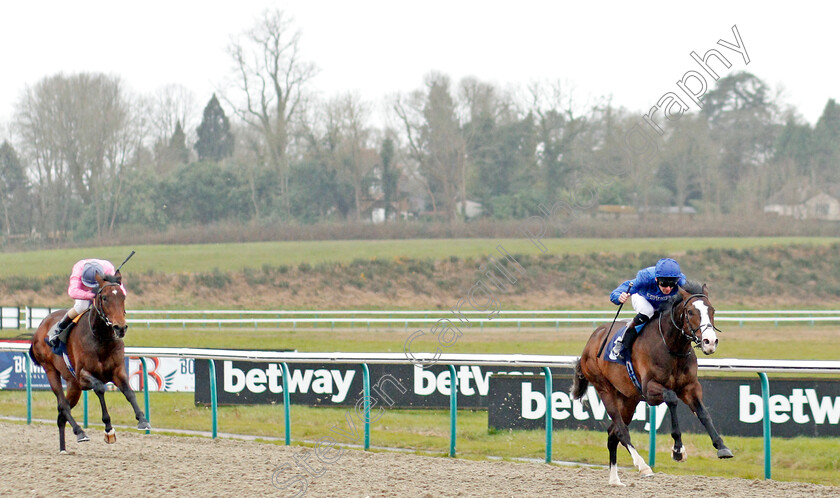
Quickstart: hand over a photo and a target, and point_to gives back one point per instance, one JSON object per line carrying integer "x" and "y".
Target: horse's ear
{"x": 705, "y": 290}
{"x": 99, "y": 279}
{"x": 118, "y": 276}
{"x": 683, "y": 293}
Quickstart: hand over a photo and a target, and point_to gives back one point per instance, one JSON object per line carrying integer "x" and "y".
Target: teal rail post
{"x": 765, "y": 397}
{"x": 28, "y": 389}
{"x": 214, "y": 405}
{"x": 652, "y": 419}
{"x": 286, "y": 411}
{"x": 453, "y": 408}
{"x": 146, "y": 392}
{"x": 366, "y": 387}
{"x": 549, "y": 422}
{"x": 85, "y": 403}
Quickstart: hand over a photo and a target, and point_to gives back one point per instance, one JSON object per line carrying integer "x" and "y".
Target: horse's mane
{"x": 690, "y": 286}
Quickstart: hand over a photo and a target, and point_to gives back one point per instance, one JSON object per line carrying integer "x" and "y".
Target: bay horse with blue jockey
{"x": 664, "y": 366}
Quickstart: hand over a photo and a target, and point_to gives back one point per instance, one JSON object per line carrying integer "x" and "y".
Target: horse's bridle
{"x": 97, "y": 301}
{"x": 692, "y": 337}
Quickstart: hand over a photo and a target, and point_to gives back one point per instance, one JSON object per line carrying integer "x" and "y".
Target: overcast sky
{"x": 633, "y": 51}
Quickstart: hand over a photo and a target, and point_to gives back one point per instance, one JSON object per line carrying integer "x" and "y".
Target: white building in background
{"x": 806, "y": 203}
{"x": 473, "y": 209}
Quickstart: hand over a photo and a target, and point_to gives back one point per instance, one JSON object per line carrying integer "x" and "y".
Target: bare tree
{"x": 78, "y": 135}
{"x": 688, "y": 153}
{"x": 165, "y": 109}
{"x": 348, "y": 135}
{"x": 559, "y": 127}
{"x": 169, "y": 105}
{"x": 250, "y": 159}
{"x": 270, "y": 78}
{"x": 435, "y": 140}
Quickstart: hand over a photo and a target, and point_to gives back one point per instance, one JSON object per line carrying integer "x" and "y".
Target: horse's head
{"x": 110, "y": 303}
{"x": 699, "y": 318}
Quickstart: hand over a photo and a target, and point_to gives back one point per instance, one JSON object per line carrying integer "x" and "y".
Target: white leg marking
{"x": 639, "y": 462}
{"x": 614, "y": 480}
{"x": 682, "y": 454}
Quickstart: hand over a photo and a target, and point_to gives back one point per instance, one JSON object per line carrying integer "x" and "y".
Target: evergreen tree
{"x": 795, "y": 144}
{"x": 826, "y": 145}
{"x": 178, "y": 150}
{"x": 390, "y": 175}
{"x": 215, "y": 141}
{"x": 13, "y": 189}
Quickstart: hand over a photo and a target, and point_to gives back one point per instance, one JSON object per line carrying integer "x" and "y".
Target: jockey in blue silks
{"x": 651, "y": 287}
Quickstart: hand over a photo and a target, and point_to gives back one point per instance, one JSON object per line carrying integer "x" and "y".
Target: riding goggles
{"x": 667, "y": 282}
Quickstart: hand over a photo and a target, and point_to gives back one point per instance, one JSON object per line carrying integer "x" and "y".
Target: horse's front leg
{"x": 678, "y": 452}
{"x": 121, "y": 381}
{"x": 693, "y": 397}
{"x": 99, "y": 388}
{"x": 656, "y": 394}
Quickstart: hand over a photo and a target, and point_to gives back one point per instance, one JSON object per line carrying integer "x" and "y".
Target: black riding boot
{"x": 60, "y": 332}
{"x": 629, "y": 336}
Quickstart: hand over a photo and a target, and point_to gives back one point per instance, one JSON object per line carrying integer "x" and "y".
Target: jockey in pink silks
{"x": 83, "y": 288}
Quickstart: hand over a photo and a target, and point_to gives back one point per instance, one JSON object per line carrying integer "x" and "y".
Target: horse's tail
{"x": 580, "y": 384}
{"x": 32, "y": 355}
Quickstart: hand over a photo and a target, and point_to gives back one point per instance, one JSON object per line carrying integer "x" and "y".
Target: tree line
{"x": 85, "y": 157}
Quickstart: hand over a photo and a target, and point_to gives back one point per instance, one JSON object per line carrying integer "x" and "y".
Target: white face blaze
{"x": 708, "y": 337}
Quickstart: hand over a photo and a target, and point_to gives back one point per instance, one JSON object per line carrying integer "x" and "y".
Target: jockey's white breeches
{"x": 82, "y": 304}
{"x": 642, "y": 305}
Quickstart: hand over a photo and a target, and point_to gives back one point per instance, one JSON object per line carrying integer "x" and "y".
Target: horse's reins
{"x": 101, "y": 314}
{"x": 689, "y": 337}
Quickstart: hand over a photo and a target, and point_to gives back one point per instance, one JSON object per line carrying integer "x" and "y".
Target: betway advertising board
{"x": 164, "y": 374}
{"x": 243, "y": 382}
{"x": 13, "y": 372}
{"x": 797, "y": 407}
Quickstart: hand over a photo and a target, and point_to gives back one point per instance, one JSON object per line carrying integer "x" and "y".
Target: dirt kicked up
{"x": 142, "y": 465}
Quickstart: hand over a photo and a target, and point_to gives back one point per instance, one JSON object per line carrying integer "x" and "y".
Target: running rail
{"x": 28, "y": 317}
{"x": 546, "y": 362}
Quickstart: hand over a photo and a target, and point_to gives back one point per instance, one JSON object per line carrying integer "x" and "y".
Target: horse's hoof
{"x": 647, "y": 472}
{"x": 111, "y": 437}
{"x": 617, "y": 483}
{"x": 725, "y": 453}
{"x": 679, "y": 456}
{"x": 144, "y": 426}
{"x": 63, "y": 452}
{"x": 82, "y": 438}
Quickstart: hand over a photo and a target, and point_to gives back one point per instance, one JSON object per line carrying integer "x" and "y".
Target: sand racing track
{"x": 142, "y": 465}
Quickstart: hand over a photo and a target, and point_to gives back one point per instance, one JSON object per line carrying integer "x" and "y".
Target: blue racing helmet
{"x": 667, "y": 267}
{"x": 89, "y": 274}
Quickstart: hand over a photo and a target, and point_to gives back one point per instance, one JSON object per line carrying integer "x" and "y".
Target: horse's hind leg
{"x": 612, "y": 446}
{"x": 678, "y": 452}
{"x": 64, "y": 406}
{"x": 74, "y": 392}
{"x": 99, "y": 388}
{"x": 621, "y": 411}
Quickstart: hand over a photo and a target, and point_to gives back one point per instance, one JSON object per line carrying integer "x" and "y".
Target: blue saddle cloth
{"x": 624, "y": 359}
